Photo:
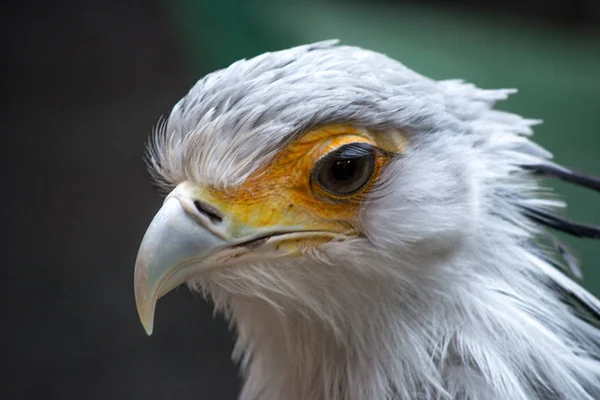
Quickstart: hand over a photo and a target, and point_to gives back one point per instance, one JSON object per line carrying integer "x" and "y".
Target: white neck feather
{"x": 456, "y": 336}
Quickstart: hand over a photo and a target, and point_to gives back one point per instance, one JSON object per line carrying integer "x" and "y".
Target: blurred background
{"x": 84, "y": 82}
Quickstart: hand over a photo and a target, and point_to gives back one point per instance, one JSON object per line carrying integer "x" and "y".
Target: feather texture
{"x": 448, "y": 295}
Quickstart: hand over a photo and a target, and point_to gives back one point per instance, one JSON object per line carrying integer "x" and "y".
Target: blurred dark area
{"x": 84, "y": 82}
{"x": 576, "y": 14}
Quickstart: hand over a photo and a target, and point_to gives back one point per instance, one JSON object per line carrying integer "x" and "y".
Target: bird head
{"x": 316, "y": 177}
{"x": 315, "y": 164}
{"x": 372, "y": 233}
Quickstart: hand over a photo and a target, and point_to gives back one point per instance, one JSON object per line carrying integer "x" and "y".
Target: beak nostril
{"x": 212, "y": 213}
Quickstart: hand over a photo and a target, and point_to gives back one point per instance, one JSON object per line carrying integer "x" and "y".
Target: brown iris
{"x": 346, "y": 170}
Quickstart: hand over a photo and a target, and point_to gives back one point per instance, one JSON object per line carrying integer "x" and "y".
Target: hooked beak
{"x": 188, "y": 236}
{"x": 172, "y": 241}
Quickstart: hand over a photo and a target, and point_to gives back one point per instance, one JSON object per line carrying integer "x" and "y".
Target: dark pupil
{"x": 344, "y": 170}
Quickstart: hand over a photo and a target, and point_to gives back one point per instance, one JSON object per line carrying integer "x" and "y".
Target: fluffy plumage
{"x": 450, "y": 292}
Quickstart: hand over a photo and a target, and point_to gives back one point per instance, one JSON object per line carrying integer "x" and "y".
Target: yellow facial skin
{"x": 280, "y": 196}
{"x": 277, "y": 212}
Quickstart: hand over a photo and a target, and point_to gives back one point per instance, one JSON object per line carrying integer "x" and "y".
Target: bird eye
{"x": 345, "y": 171}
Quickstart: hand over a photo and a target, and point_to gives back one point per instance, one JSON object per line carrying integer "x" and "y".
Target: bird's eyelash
{"x": 358, "y": 149}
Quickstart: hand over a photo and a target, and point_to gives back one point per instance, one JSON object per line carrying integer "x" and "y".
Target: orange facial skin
{"x": 280, "y": 197}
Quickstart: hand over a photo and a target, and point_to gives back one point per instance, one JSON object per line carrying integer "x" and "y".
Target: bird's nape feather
{"x": 555, "y": 221}
{"x": 560, "y": 223}
{"x": 569, "y": 175}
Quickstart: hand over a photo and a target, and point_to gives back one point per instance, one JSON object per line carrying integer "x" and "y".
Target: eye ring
{"x": 346, "y": 170}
